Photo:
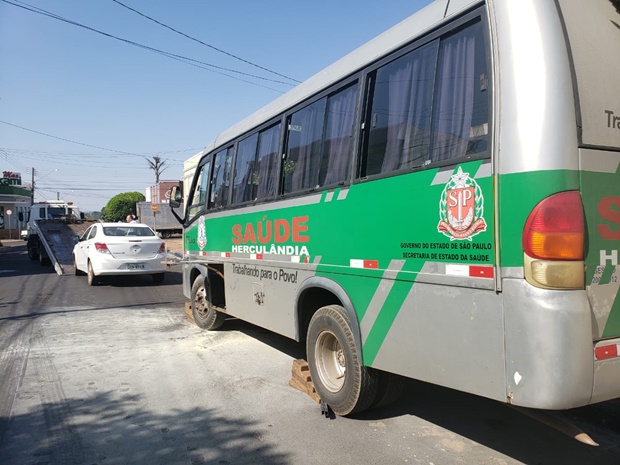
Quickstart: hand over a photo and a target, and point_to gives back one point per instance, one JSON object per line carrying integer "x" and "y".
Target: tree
{"x": 157, "y": 165}
{"x": 121, "y": 205}
{"x": 92, "y": 216}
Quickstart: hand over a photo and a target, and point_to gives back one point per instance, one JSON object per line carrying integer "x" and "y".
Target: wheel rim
{"x": 91, "y": 274}
{"x": 200, "y": 301}
{"x": 330, "y": 361}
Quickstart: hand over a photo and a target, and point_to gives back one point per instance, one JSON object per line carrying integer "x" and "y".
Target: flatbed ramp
{"x": 59, "y": 238}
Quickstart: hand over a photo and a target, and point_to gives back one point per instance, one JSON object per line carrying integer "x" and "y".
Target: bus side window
{"x": 460, "y": 113}
{"x": 399, "y": 121}
{"x": 222, "y": 164}
{"x": 245, "y": 182}
{"x": 336, "y": 159}
{"x": 267, "y": 172}
{"x": 199, "y": 195}
{"x": 319, "y": 142}
{"x": 303, "y": 153}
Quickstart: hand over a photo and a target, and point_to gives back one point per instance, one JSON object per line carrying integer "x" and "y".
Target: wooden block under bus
{"x": 300, "y": 365}
{"x": 188, "y": 312}
{"x": 301, "y": 380}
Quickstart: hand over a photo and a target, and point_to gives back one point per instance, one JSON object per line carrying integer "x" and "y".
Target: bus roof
{"x": 404, "y": 32}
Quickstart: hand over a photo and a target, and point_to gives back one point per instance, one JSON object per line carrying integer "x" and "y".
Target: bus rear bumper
{"x": 549, "y": 349}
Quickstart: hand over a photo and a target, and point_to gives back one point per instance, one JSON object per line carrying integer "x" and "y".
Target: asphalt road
{"x": 115, "y": 374}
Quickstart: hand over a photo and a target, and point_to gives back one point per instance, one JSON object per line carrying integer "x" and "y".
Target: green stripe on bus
{"x": 385, "y": 319}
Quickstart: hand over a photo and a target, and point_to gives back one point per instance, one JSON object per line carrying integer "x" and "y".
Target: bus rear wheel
{"x": 389, "y": 388}
{"x": 205, "y": 316}
{"x": 335, "y": 361}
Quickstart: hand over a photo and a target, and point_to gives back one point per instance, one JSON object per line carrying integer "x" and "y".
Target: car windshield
{"x": 127, "y": 231}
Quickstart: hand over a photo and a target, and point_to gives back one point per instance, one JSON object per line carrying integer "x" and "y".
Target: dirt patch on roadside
{"x": 174, "y": 245}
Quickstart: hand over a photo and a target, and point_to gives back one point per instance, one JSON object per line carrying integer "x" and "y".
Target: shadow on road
{"x": 283, "y": 344}
{"x": 173, "y": 278}
{"x": 14, "y": 261}
{"x": 115, "y": 428}
{"x": 497, "y": 426}
{"x": 483, "y": 421}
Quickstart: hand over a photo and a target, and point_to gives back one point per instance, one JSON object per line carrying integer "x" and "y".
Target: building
{"x": 160, "y": 193}
{"x": 15, "y": 199}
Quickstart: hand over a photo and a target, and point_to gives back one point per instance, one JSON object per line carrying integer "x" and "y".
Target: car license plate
{"x": 135, "y": 266}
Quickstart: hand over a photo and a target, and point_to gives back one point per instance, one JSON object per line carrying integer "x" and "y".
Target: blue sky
{"x": 123, "y": 104}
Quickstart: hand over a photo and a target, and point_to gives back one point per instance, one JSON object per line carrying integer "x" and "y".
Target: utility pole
{"x": 32, "y": 189}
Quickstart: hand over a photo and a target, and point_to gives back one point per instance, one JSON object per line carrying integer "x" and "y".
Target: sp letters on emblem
{"x": 461, "y": 208}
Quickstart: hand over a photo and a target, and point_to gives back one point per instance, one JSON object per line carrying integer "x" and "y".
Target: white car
{"x": 112, "y": 249}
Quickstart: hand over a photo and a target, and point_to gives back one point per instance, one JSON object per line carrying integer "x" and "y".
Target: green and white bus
{"x": 442, "y": 204}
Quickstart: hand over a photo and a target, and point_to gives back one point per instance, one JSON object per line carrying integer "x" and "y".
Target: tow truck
{"x": 52, "y": 229}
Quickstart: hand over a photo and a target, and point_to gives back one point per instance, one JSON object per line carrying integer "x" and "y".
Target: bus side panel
{"x": 449, "y": 336}
{"x": 264, "y": 294}
{"x": 549, "y": 360}
{"x": 187, "y": 282}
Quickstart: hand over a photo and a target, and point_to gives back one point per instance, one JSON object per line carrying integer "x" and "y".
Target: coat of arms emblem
{"x": 461, "y": 208}
{"x": 202, "y": 234}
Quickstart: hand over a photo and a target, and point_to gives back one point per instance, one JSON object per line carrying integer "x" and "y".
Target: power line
{"x": 205, "y": 44}
{"x": 31, "y": 153}
{"x": 183, "y": 59}
{"x": 69, "y": 140}
{"x": 88, "y": 157}
{"x": 52, "y": 188}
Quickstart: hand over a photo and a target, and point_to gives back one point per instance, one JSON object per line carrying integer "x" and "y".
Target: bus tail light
{"x": 555, "y": 228}
{"x": 553, "y": 241}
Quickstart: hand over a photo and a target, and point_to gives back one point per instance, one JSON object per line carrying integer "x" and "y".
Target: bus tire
{"x": 340, "y": 379}
{"x": 389, "y": 388}
{"x": 205, "y": 316}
